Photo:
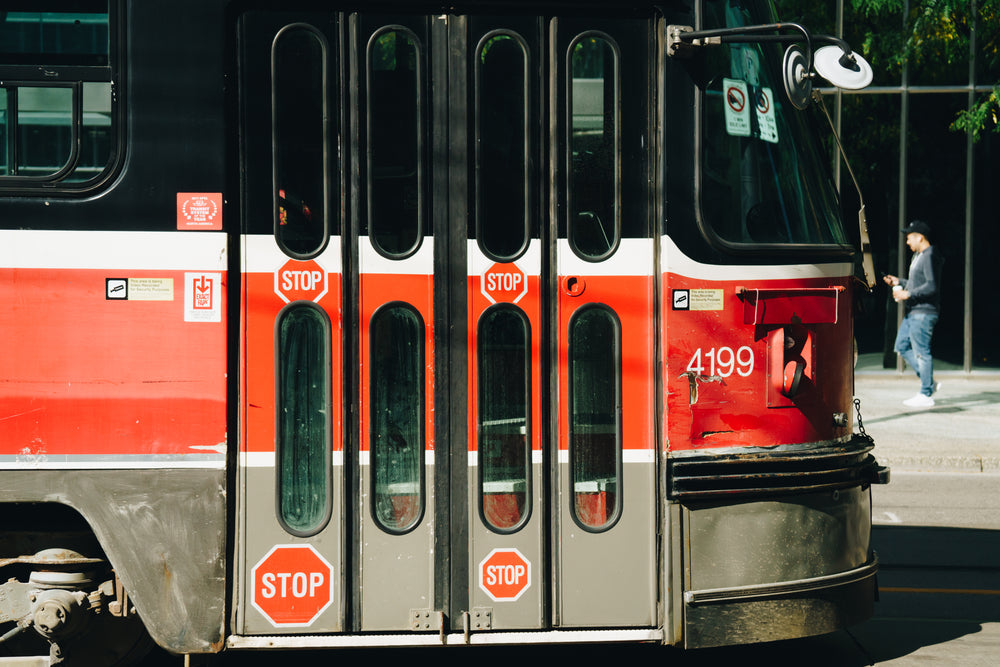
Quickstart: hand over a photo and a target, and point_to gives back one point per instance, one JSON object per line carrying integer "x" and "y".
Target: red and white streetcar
{"x": 401, "y": 323}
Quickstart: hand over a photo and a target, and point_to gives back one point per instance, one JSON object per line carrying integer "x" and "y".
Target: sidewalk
{"x": 961, "y": 433}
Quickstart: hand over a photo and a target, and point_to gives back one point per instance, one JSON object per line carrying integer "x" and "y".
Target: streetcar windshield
{"x": 765, "y": 178}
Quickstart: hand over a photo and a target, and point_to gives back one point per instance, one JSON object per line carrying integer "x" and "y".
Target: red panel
{"x": 262, "y": 308}
{"x": 378, "y": 289}
{"x": 84, "y": 375}
{"x": 530, "y": 304}
{"x": 724, "y": 388}
{"x": 631, "y": 299}
{"x": 787, "y": 306}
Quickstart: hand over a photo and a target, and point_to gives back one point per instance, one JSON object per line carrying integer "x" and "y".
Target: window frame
{"x": 481, "y": 395}
{"x": 420, "y": 101}
{"x": 528, "y": 179}
{"x": 421, "y": 419}
{"x": 615, "y": 321}
{"x": 616, "y": 166}
{"x": 55, "y": 75}
{"x": 324, "y": 206}
{"x": 327, "y": 371}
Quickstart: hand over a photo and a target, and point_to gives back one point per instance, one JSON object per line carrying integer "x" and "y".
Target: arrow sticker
{"x": 202, "y": 297}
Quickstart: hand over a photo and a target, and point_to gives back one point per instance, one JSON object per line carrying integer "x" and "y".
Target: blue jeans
{"x": 913, "y": 343}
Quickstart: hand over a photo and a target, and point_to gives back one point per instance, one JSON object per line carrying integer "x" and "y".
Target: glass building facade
{"x": 910, "y": 163}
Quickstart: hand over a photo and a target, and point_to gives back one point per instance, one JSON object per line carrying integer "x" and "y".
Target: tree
{"x": 936, "y": 42}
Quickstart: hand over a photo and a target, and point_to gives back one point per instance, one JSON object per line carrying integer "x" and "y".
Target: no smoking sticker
{"x": 737, "y": 113}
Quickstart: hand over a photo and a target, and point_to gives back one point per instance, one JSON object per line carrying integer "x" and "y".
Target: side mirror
{"x": 844, "y": 69}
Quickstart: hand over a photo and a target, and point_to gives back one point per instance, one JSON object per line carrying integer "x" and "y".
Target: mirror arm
{"x": 867, "y": 262}
{"x": 681, "y": 38}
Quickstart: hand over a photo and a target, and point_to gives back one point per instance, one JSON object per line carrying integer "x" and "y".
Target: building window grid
{"x": 904, "y": 90}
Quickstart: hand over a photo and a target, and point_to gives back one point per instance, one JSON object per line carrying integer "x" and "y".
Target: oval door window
{"x": 298, "y": 102}
{"x": 595, "y": 416}
{"x": 502, "y": 146}
{"x": 303, "y": 418}
{"x": 594, "y": 169}
{"x": 504, "y": 419}
{"x": 395, "y": 140}
{"x": 396, "y": 422}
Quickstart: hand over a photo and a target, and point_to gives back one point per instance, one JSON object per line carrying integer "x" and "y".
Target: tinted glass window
{"x": 55, "y": 132}
{"x": 764, "y": 177}
{"x": 504, "y": 424}
{"x": 396, "y": 340}
{"x": 595, "y": 416}
{"x": 303, "y": 418}
{"x": 300, "y": 158}
{"x": 395, "y": 127}
{"x": 594, "y": 150}
{"x": 78, "y": 37}
{"x": 502, "y": 146}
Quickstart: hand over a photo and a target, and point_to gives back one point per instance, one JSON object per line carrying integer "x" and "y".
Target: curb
{"x": 910, "y": 463}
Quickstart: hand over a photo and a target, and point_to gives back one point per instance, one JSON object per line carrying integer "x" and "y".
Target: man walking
{"x": 920, "y": 295}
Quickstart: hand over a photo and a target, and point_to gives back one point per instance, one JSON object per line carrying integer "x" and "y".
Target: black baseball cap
{"x": 918, "y": 227}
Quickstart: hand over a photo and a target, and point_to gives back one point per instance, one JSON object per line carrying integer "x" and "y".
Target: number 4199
{"x": 722, "y": 361}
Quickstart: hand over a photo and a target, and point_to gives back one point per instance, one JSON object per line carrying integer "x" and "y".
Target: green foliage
{"x": 984, "y": 115}
{"x": 936, "y": 42}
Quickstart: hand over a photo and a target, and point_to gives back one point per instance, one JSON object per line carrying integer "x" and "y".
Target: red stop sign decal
{"x": 301, "y": 281}
{"x": 292, "y": 585}
{"x": 503, "y": 282}
{"x": 505, "y": 574}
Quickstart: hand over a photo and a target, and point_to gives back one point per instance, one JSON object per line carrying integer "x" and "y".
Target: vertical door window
{"x": 303, "y": 418}
{"x": 395, "y": 140}
{"x": 502, "y": 202}
{"x": 396, "y": 361}
{"x": 504, "y": 420}
{"x": 300, "y": 158}
{"x": 593, "y": 172}
{"x": 595, "y": 416}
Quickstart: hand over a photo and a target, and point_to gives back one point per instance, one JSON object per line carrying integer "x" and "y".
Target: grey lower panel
{"x": 164, "y": 532}
{"x": 800, "y": 609}
{"x": 776, "y": 568}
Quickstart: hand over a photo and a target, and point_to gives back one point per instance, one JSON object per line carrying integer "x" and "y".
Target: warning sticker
{"x": 150, "y": 289}
{"x": 706, "y": 299}
{"x": 765, "y": 116}
{"x": 737, "y": 110}
{"x": 202, "y": 297}
{"x": 697, "y": 299}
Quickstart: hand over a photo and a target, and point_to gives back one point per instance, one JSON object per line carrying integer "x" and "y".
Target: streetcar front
{"x": 766, "y": 480}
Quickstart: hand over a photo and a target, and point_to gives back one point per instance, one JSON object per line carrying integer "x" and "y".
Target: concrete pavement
{"x": 961, "y": 433}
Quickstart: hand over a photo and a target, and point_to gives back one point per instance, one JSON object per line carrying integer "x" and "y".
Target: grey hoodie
{"x": 924, "y": 282}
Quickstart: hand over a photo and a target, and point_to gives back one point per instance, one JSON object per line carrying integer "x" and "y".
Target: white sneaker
{"x": 919, "y": 401}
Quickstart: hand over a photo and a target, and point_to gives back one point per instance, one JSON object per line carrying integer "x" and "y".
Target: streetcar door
{"x": 562, "y": 492}
{"x": 290, "y": 528}
{"x": 602, "y": 107}
{"x": 507, "y": 476}
{"x": 397, "y": 204}
{"x": 446, "y": 383}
